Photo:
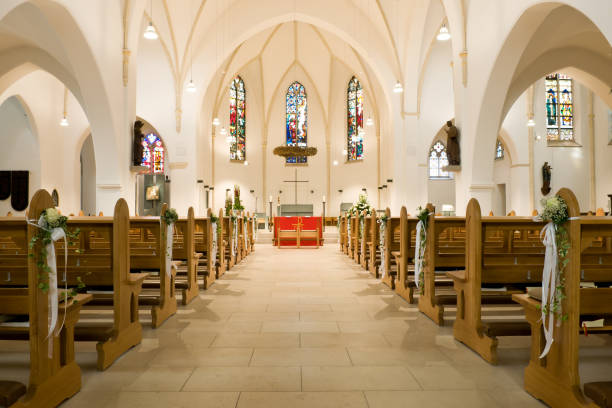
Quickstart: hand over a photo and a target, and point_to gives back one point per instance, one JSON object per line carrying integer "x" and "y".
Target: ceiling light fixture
{"x": 191, "y": 88}
{"x": 443, "y": 34}
{"x": 64, "y": 122}
{"x": 246, "y": 162}
{"x": 398, "y": 88}
{"x": 531, "y": 123}
{"x": 150, "y": 33}
{"x": 335, "y": 162}
{"x": 344, "y": 152}
{"x": 216, "y": 122}
{"x": 370, "y": 121}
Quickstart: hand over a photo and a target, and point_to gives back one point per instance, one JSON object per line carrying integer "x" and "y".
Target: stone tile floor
{"x": 303, "y": 328}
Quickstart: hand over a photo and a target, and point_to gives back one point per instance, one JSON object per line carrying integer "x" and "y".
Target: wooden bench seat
{"x": 54, "y": 377}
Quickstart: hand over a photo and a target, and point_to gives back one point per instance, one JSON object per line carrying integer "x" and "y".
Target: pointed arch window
{"x": 153, "y": 154}
{"x": 354, "y": 120}
{"x": 559, "y": 108}
{"x": 238, "y": 120}
{"x": 438, "y": 159}
{"x": 500, "y": 152}
{"x": 297, "y": 119}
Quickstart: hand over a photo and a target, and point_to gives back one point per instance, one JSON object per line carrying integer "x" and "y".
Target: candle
{"x": 323, "y": 198}
{"x": 270, "y": 198}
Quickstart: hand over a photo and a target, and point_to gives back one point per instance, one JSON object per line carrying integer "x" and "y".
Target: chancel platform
{"x": 298, "y": 232}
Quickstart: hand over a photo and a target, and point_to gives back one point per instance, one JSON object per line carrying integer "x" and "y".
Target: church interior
{"x": 272, "y": 203}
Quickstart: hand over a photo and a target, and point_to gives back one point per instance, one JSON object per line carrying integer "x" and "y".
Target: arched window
{"x": 237, "y": 120}
{"x": 153, "y": 153}
{"x": 355, "y": 120}
{"x": 559, "y": 108}
{"x": 297, "y": 119}
{"x": 499, "y": 150}
{"x": 437, "y": 160}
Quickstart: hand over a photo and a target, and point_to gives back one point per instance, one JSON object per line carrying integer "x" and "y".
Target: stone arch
{"x": 525, "y": 56}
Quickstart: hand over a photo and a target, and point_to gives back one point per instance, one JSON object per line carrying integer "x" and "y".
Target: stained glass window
{"x": 499, "y": 150}
{"x": 437, "y": 161}
{"x": 559, "y": 108}
{"x": 297, "y": 119}
{"x": 153, "y": 153}
{"x": 355, "y": 120}
{"x": 237, "y": 120}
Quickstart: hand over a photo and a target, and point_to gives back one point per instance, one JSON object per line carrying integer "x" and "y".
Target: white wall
{"x": 20, "y": 150}
{"x": 60, "y": 147}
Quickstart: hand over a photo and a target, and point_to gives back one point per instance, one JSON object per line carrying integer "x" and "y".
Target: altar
{"x": 298, "y": 232}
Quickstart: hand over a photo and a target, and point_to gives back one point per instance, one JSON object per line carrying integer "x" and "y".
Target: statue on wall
{"x": 137, "y": 143}
{"x": 452, "y": 144}
{"x": 546, "y": 176}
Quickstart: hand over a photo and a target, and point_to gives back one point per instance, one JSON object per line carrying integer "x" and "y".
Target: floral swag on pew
{"x": 381, "y": 243}
{"x": 170, "y": 217}
{"x": 555, "y": 239}
{"x": 419, "y": 251}
{"x": 52, "y": 226}
{"x": 358, "y": 209}
{"x": 216, "y": 232}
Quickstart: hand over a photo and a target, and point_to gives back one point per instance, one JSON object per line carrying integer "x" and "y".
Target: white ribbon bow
{"x": 419, "y": 252}
{"x": 53, "y": 295}
{"x": 549, "y": 283}
{"x": 169, "y": 243}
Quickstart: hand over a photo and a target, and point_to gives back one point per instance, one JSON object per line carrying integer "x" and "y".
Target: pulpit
{"x": 298, "y": 232}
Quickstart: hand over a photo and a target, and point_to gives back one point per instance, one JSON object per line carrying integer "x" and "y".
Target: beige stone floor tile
{"x": 373, "y": 356}
{"x": 257, "y": 340}
{"x": 334, "y": 316}
{"x": 302, "y": 400}
{"x": 429, "y": 399}
{"x": 357, "y": 378}
{"x": 160, "y": 379}
{"x": 265, "y": 317}
{"x": 244, "y": 379}
{"x": 299, "y": 327}
{"x": 441, "y": 377}
{"x": 513, "y": 399}
{"x": 343, "y": 340}
{"x": 298, "y": 307}
{"x": 189, "y": 357}
{"x": 300, "y": 357}
{"x": 177, "y": 399}
{"x": 374, "y": 326}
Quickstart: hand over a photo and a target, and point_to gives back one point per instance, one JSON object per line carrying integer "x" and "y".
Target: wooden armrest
{"x": 76, "y": 301}
{"x": 197, "y": 255}
{"x": 458, "y": 276}
{"x": 395, "y": 253}
{"x": 527, "y": 301}
{"x": 137, "y": 278}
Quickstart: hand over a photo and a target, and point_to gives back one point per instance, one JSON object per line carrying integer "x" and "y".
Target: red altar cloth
{"x": 290, "y": 223}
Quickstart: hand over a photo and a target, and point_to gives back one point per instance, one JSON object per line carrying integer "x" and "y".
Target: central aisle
{"x": 300, "y": 328}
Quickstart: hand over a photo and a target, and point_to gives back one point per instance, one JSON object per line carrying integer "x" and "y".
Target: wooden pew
{"x": 184, "y": 251}
{"x": 392, "y": 246}
{"x": 404, "y": 258}
{"x": 221, "y": 261}
{"x": 251, "y": 225}
{"x": 444, "y": 250}
{"x": 373, "y": 246}
{"x": 100, "y": 259}
{"x": 355, "y": 248}
{"x": 206, "y": 265}
{"x": 365, "y": 241}
{"x": 502, "y": 251}
{"x": 148, "y": 253}
{"x": 343, "y": 234}
{"x": 228, "y": 238}
{"x": 52, "y": 379}
{"x": 555, "y": 379}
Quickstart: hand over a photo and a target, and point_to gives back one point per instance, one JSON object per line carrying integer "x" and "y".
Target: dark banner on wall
{"x": 5, "y": 185}
{"x": 20, "y": 186}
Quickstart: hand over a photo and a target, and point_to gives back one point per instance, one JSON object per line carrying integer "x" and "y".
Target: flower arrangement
{"x": 555, "y": 210}
{"x": 214, "y": 218}
{"x": 228, "y": 206}
{"x": 237, "y": 204}
{"x": 49, "y": 223}
{"x": 360, "y": 206}
{"x": 423, "y": 217}
{"x": 170, "y": 216}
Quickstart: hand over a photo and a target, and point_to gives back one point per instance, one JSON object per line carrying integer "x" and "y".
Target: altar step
{"x": 266, "y": 237}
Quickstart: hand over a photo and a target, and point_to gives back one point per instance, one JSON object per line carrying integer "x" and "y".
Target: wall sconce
{"x": 339, "y": 191}
{"x": 389, "y": 180}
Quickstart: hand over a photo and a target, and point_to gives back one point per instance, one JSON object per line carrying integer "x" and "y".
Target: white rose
{"x": 52, "y": 216}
